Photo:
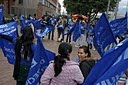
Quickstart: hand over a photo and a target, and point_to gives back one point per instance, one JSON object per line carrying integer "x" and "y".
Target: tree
{"x": 89, "y": 8}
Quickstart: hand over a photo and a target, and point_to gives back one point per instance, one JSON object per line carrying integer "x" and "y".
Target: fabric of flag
{"x": 103, "y": 35}
{"x": 25, "y": 23}
{"x": 77, "y": 31}
{"x": 40, "y": 62}
{"x": 37, "y": 24}
{"x": 61, "y": 26}
{"x": 8, "y": 51}
{"x": 45, "y": 30}
{"x": 119, "y": 26}
{"x": 1, "y": 13}
{"x": 127, "y": 19}
{"x": 8, "y": 31}
{"x": 70, "y": 29}
{"x": 110, "y": 67}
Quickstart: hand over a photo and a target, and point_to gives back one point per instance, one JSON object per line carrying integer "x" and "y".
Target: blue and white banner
{"x": 8, "y": 30}
{"x": 110, "y": 68}
{"x": 103, "y": 35}
{"x": 40, "y": 62}
{"x": 45, "y": 30}
{"x": 37, "y": 24}
{"x": 25, "y": 22}
{"x": 119, "y": 26}
{"x": 1, "y": 13}
{"x": 8, "y": 50}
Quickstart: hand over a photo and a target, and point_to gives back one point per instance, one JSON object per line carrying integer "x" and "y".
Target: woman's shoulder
{"x": 89, "y": 62}
{"x": 72, "y": 64}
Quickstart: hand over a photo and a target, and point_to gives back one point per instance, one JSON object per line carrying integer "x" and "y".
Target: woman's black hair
{"x": 64, "y": 50}
{"x": 26, "y": 41}
{"x": 86, "y": 50}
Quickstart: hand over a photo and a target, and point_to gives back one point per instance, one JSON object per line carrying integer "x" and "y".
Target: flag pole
{"x": 116, "y": 9}
{"x": 127, "y": 7}
{"x": 108, "y": 8}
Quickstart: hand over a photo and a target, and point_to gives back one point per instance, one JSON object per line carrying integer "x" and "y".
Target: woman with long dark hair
{"x": 62, "y": 71}
{"x": 86, "y": 62}
{"x": 24, "y": 51}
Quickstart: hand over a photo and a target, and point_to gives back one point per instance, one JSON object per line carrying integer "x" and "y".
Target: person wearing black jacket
{"x": 86, "y": 63}
{"x": 24, "y": 51}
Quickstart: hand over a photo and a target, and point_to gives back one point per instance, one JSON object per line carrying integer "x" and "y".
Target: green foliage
{"x": 89, "y": 8}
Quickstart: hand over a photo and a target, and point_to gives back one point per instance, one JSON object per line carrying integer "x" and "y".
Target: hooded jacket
{"x": 70, "y": 75}
{"x": 86, "y": 66}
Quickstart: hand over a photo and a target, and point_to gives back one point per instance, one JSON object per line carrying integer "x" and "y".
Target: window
{"x": 20, "y": 1}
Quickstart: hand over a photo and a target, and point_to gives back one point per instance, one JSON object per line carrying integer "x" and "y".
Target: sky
{"x": 121, "y": 10}
{"x": 123, "y": 6}
{"x": 62, "y": 8}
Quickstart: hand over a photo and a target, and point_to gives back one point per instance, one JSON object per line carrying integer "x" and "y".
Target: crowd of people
{"x": 65, "y": 27}
{"x": 62, "y": 70}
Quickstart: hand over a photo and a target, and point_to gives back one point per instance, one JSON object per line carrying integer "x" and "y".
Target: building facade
{"x": 7, "y": 6}
{"x": 26, "y": 7}
{"x": 48, "y": 7}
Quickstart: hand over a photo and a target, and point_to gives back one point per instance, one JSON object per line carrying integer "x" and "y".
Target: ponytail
{"x": 58, "y": 63}
{"x": 64, "y": 50}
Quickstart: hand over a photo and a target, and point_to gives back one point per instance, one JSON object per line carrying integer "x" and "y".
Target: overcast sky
{"x": 123, "y": 7}
{"x": 121, "y": 10}
{"x": 62, "y": 8}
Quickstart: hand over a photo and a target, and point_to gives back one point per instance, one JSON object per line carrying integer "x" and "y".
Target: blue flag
{"x": 1, "y": 13}
{"x": 37, "y": 24}
{"x": 25, "y": 23}
{"x": 127, "y": 19}
{"x": 8, "y": 30}
{"x": 77, "y": 31}
{"x": 110, "y": 68}
{"x": 103, "y": 35}
{"x": 40, "y": 62}
{"x": 45, "y": 30}
{"x": 119, "y": 26}
{"x": 8, "y": 51}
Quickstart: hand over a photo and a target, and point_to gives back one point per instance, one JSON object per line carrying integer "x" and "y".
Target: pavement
{"x": 6, "y": 69}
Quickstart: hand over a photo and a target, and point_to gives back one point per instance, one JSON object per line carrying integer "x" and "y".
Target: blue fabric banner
{"x": 40, "y": 62}
{"x": 37, "y": 24}
{"x": 77, "y": 31}
{"x": 119, "y": 26}
{"x": 25, "y": 23}
{"x": 45, "y": 30}
{"x": 8, "y": 30}
{"x": 111, "y": 66}
{"x": 1, "y": 13}
{"x": 103, "y": 35}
